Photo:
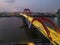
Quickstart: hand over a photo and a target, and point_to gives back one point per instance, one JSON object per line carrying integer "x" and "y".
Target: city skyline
{"x": 34, "y": 5}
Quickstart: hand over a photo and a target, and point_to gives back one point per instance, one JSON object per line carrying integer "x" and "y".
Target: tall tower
{"x": 58, "y": 12}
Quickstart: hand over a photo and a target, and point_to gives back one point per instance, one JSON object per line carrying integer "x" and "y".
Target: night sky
{"x": 34, "y": 5}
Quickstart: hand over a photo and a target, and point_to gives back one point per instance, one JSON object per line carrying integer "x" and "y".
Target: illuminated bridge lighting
{"x": 30, "y": 43}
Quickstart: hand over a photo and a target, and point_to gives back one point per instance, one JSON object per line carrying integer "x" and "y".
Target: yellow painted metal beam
{"x": 54, "y": 35}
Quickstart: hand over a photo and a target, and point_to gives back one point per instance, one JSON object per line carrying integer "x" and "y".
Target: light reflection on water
{"x": 56, "y": 20}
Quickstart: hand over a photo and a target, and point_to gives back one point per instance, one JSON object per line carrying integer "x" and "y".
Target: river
{"x": 10, "y": 28}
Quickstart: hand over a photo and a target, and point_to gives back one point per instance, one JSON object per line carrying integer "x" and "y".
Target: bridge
{"x": 53, "y": 35}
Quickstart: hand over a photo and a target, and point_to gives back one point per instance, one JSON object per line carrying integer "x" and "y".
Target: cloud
{"x": 10, "y": 1}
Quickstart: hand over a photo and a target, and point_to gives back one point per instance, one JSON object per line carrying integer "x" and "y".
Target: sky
{"x": 33, "y": 5}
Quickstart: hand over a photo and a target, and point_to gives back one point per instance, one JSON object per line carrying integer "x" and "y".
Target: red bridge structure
{"x": 27, "y": 12}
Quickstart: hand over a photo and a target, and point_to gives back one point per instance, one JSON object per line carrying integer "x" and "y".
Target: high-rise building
{"x": 58, "y": 12}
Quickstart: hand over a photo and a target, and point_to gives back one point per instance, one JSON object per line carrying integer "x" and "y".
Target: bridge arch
{"x": 27, "y": 12}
